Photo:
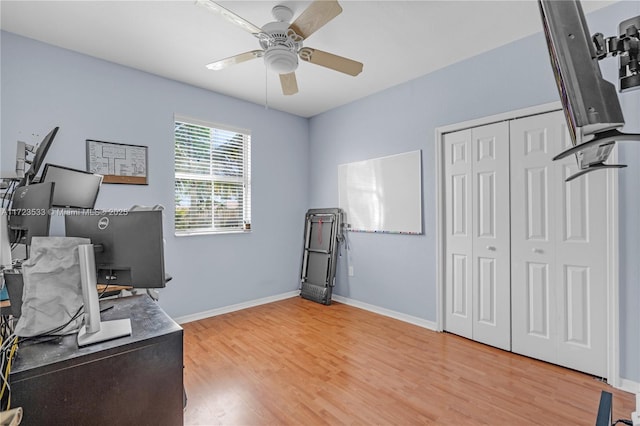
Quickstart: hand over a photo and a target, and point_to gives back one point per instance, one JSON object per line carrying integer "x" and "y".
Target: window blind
{"x": 212, "y": 178}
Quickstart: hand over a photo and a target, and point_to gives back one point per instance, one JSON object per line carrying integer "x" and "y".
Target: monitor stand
{"x": 109, "y": 330}
{"x": 95, "y": 331}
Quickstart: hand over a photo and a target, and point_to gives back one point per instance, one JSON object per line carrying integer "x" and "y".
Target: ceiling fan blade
{"x": 315, "y": 17}
{"x": 229, "y": 16}
{"x": 331, "y": 61}
{"x": 227, "y": 62}
{"x": 289, "y": 83}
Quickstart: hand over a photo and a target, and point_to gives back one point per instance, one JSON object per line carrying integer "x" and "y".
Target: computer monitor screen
{"x": 590, "y": 102}
{"x": 38, "y": 158}
{"x": 129, "y": 245}
{"x": 30, "y": 212}
{"x": 74, "y": 188}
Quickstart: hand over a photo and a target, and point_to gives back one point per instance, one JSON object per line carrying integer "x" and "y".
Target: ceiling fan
{"x": 282, "y": 43}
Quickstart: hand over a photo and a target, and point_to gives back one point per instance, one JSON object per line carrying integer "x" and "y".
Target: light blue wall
{"x": 398, "y": 272}
{"x": 44, "y": 86}
{"x": 629, "y": 230}
{"x": 629, "y": 227}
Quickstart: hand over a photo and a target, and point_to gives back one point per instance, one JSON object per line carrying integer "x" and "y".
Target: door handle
{"x": 537, "y": 250}
{"x": 491, "y": 248}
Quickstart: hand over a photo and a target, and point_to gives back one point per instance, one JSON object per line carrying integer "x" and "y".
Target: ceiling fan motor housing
{"x": 280, "y": 46}
{"x": 281, "y": 60}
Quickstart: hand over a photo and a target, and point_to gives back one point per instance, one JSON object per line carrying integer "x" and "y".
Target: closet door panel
{"x": 559, "y": 250}
{"x": 459, "y": 237}
{"x": 533, "y": 176}
{"x": 491, "y": 251}
{"x": 582, "y": 266}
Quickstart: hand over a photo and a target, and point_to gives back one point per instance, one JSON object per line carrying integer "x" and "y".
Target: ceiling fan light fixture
{"x": 281, "y": 42}
{"x": 281, "y": 60}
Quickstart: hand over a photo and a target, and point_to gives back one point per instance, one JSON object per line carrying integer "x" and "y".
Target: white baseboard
{"x": 634, "y": 388}
{"x": 257, "y": 302}
{"x": 629, "y": 386}
{"x": 420, "y": 322}
{"x": 236, "y": 307}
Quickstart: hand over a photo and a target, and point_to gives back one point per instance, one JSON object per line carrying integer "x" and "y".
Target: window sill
{"x": 196, "y": 233}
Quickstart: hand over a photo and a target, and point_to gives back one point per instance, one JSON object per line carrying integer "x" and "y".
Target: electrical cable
{"x": 105, "y": 291}
{"x": 6, "y": 371}
{"x": 623, "y": 421}
{"x": 12, "y": 343}
{"x": 8, "y": 350}
{"x": 52, "y": 333}
{"x": 14, "y": 347}
{"x": 19, "y": 235}
{"x": 8, "y": 194}
{"x": 5, "y": 327}
{"x": 106, "y": 286}
{"x": 9, "y": 346}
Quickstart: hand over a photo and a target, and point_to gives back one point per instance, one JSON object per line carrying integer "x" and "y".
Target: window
{"x": 212, "y": 178}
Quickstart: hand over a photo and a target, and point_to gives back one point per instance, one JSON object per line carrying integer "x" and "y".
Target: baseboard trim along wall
{"x": 630, "y": 386}
{"x": 420, "y": 322}
{"x": 236, "y": 307}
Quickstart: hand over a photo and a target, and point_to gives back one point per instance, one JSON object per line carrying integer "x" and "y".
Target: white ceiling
{"x": 396, "y": 40}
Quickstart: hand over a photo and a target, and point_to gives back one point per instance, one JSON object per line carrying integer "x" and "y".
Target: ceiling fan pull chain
{"x": 266, "y": 89}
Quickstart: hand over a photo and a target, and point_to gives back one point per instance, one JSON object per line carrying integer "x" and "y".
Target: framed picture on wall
{"x": 117, "y": 162}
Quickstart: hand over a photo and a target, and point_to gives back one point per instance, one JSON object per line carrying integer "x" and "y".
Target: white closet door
{"x": 459, "y": 233}
{"x": 491, "y": 251}
{"x": 558, "y": 250}
{"x": 533, "y": 222}
{"x": 581, "y": 259}
{"x": 477, "y": 234}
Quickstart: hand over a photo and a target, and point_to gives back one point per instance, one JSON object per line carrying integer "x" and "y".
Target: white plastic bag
{"x": 52, "y": 295}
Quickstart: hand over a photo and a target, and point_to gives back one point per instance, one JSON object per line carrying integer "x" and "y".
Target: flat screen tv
{"x": 590, "y": 102}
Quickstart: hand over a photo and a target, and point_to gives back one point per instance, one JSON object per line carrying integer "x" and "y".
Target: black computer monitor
{"x": 74, "y": 188}
{"x": 38, "y": 158}
{"x": 30, "y": 212}
{"x": 129, "y": 245}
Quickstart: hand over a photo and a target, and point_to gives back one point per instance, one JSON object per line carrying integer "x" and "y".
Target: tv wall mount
{"x": 626, "y": 47}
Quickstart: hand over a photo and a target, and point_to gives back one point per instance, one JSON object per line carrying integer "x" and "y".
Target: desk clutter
{"x": 50, "y": 283}
{"x": 132, "y": 380}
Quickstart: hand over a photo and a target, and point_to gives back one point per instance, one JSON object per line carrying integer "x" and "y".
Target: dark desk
{"x": 135, "y": 380}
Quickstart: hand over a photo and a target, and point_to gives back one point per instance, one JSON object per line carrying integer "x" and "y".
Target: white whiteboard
{"x": 383, "y": 194}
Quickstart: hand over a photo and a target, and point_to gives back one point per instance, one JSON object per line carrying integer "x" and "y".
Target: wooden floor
{"x": 296, "y": 362}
